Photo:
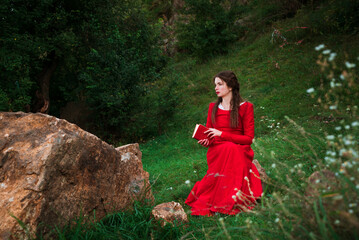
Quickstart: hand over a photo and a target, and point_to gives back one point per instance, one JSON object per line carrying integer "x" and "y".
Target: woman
{"x": 232, "y": 182}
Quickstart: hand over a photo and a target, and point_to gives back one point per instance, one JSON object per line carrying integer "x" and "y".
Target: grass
{"x": 289, "y": 143}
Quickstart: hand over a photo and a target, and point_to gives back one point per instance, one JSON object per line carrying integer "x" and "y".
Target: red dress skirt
{"x": 231, "y": 184}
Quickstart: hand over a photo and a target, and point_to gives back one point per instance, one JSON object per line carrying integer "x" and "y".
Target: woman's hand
{"x": 212, "y": 132}
{"x": 204, "y": 142}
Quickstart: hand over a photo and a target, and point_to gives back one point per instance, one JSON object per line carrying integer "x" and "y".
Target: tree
{"x": 102, "y": 52}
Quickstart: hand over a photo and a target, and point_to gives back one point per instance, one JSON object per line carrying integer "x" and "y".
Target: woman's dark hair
{"x": 232, "y": 82}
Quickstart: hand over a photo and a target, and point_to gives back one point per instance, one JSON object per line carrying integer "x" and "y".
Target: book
{"x": 199, "y": 134}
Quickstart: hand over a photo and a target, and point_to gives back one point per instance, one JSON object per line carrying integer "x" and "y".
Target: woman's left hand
{"x": 212, "y": 132}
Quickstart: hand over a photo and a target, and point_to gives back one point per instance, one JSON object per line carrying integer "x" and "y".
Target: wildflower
{"x": 273, "y": 165}
{"x": 330, "y": 137}
{"x": 338, "y": 128}
{"x": 300, "y": 165}
{"x": 342, "y": 77}
{"x": 332, "y": 56}
{"x": 319, "y": 47}
{"x": 351, "y": 211}
{"x": 333, "y": 107}
{"x": 170, "y": 188}
{"x": 194, "y": 171}
{"x": 349, "y": 65}
{"x": 357, "y": 186}
{"x": 342, "y": 151}
{"x": 355, "y": 124}
{"x": 310, "y": 90}
{"x": 352, "y": 205}
{"x": 317, "y": 181}
{"x": 347, "y": 127}
{"x": 354, "y": 153}
{"x": 187, "y": 182}
{"x": 337, "y": 222}
{"x": 338, "y": 84}
{"x": 276, "y": 220}
{"x": 326, "y": 51}
{"x": 332, "y": 84}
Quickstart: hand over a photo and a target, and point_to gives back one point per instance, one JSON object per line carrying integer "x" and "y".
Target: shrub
{"x": 207, "y": 27}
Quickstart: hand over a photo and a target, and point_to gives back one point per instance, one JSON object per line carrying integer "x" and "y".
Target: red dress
{"x": 232, "y": 182}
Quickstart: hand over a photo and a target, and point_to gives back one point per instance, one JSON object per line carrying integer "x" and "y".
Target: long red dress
{"x": 232, "y": 182}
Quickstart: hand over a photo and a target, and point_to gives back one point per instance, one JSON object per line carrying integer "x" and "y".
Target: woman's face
{"x": 221, "y": 87}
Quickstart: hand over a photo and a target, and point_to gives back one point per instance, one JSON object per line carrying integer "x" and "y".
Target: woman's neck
{"x": 226, "y": 102}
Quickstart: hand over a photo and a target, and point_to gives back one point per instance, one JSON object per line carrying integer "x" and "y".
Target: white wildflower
{"x": 333, "y": 107}
{"x": 338, "y": 84}
{"x": 342, "y": 77}
{"x": 187, "y": 182}
{"x": 355, "y": 124}
{"x": 317, "y": 181}
{"x": 319, "y": 47}
{"x": 342, "y": 151}
{"x": 276, "y": 220}
{"x": 352, "y": 205}
{"x": 332, "y": 84}
{"x": 336, "y": 222}
{"x": 332, "y": 56}
{"x": 357, "y": 186}
{"x": 338, "y": 128}
{"x": 351, "y": 211}
{"x": 354, "y": 153}
{"x": 349, "y": 65}
{"x": 330, "y": 137}
{"x": 326, "y": 52}
{"x": 273, "y": 165}
{"x": 310, "y": 90}
{"x": 347, "y": 127}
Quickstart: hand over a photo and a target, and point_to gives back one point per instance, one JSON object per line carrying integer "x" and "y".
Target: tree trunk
{"x": 42, "y": 98}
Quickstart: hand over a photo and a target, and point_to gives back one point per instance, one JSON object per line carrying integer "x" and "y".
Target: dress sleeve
{"x": 209, "y": 121}
{"x": 248, "y": 129}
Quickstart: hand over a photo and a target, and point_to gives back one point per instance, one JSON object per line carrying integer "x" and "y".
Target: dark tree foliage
{"x": 208, "y": 27}
{"x": 104, "y": 53}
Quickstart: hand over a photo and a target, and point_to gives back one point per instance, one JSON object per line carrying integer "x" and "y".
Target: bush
{"x": 207, "y": 27}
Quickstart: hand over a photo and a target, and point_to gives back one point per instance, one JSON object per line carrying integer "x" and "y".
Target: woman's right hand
{"x": 204, "y": 142}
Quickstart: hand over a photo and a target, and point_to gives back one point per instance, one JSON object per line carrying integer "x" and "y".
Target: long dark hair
{"x": 232, "y": 82}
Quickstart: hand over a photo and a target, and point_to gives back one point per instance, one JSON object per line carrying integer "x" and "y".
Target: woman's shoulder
{"x": 211, "y": 105}
{"x": 246, "y": 103}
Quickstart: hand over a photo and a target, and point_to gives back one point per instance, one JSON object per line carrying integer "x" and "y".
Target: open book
{"x": 199, "y": 134}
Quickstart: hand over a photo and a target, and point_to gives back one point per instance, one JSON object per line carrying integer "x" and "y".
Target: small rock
{"x": 169, "y": 212}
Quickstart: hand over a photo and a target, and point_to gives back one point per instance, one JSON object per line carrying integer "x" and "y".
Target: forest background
{"x": 141, "y": 71}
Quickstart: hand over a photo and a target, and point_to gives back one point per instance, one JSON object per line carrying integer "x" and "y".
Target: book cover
{"x": 199, "y": 134}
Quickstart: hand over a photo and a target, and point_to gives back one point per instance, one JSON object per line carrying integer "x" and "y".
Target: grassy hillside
{"x": 290, "y": 124}
{"x": 291, "y": 128}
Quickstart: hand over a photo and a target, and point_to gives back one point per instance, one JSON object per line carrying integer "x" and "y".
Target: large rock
{"x": 52, "y": 171}
{"x": 169, "y": 212}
